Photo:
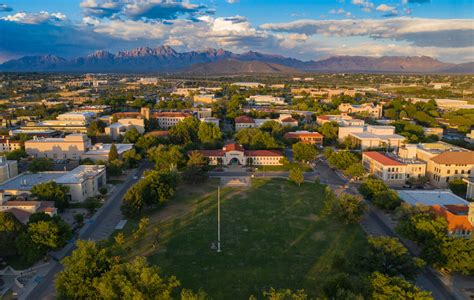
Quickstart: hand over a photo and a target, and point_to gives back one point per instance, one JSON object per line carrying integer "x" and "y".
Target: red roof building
{"x": 235, "y": 154}
{"x": 306, "y": 137}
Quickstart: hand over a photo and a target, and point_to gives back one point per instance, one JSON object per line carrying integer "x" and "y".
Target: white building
{"x": 266, "y": 100}
{"x": 115, "y": 130}
{"x": 83, "y": 182}
{"x": 371, "y": 136}
{"x": 101, "y": 151}
{"x": 235, "y": 154}
{"x": 210, "y": 120}
{"x": 8, "y": 168}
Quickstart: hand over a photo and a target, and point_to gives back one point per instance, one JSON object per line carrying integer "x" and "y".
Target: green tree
{"x": 459, "y": 255}
{"x": 113, "y": 153}
{"x": 41, "y": 165}
{"x": 284, "y": 294}
{"x": 185, "y": 133}
{"x": 386, "y": 287}
{"x": 51, "y": 191}
{"x": 196, "y": 168}
{"x": 131, "y": 136}
{"x": 10, "y": 229}
{"x": 254, "y": 138}
{"x": 388, "y": 200}
{"x": 209, "y": 134}
{"x": 342, "y": 159}
{"x": 329, "y": 130}
{"x": 132, "y": 158}
{"x": 296, "y": 175}
{"x": 345, "y": 207}
{"x": 388, "y": 256}
{"x": 96, "y": 128}
{"x": 355, "y": 170}
{"x": 134, "y": 280}
{"x": 166, "y": 157}
{"x": 16, "y": 154}
{"x": 147, "y": 142}
{"x": 86, "y": 263}
{"x": 458, "y": 187}
{"x": 303, "y": 151}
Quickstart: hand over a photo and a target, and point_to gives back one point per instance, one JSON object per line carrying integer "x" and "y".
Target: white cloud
{"x": 232, "y": 1}
{"x": 36, "y": 18}
{"x": 384, "y": 8}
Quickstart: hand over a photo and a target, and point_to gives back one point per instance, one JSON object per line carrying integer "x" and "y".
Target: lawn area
{"x": 286, "y": 167}
{"x": 272, "y": 236}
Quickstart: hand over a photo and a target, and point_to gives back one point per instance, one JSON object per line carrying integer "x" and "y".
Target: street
{"x": 105, "y": 216}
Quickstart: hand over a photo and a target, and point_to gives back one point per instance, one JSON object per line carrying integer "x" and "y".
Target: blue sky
{"x": 305, "y": 29}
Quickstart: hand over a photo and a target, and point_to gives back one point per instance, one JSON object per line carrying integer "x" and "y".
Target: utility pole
{"x": 219, "y": 218}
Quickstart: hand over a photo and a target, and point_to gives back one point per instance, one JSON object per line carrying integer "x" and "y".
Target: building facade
{"x": 235, "y": 154}
{"x": 374, "y": 111}
{"x": 70, "y": 147}
{"x": 448, "y": 165}
{"x": 314, "y": 138}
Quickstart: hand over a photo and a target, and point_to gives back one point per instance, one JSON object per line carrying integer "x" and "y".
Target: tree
{"x": 131, "y": 136}
{"x": 303, "y": 151}
{"x": 196, "y": 167}
{"x": 285, "y": 294}
{"x": 147, "y": 142}
{"x": 113, "y": 153}
{"x": 114, "y": 167}
{"x": 388, "y": 256}
{"x": 209, "y": 134}
{"x": 134, "y": 280}
{"x": 388, "y": 200}
{"x": 95, "y": 128}
{"x": 16, "y": 154}
{"x": 386, "y": 287}
{"x": 166, "y": 157}
{"x": 254, "y": 138}
{"x": 79, "y": 218}
{"x": 342, "y": 159}
{"x": 132, "y": 158}
{"x": 355, "y": 170}
{"x": 51, "y": 191}
{"x": 459, "y": 255}
{"x": 185, "y": 133}
{"x": 458, "y": 187}
{"x": 296, "y": 175}
{"x": 41, "y": 165}
{"x": 119, "y": 239}
{"x": 10, "y": 229}
{"x": 329, "y": 130}
{"x": 345, "y": 207}
{"x": 86, "y": 263}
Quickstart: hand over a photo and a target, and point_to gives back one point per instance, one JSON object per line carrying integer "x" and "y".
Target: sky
{"x": 303, "y": 29}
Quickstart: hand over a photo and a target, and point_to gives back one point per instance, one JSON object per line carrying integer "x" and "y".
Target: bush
{"x": 103, "y": 191}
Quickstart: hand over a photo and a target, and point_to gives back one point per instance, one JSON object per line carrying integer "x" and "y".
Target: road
{"x": 105, "y": 216}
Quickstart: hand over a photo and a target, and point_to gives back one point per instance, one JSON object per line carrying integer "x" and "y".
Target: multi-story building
{"x": 8, "y": 168}
{"x": 392, "y": 169}
{"x": 204, "y": 99}
{"x": 242, "y": 122}
{"x": 101, "y": 151}
{"x": 314, "y": 138}
{"x": 235, "y": 154}
{"x": 7, "y": 145}
{"x": 117, "y": 129}
{"x": 83, "y": 182}
{"x": 248, "y": 122}
{"x": 458, "y": 213}
{"x": 374, "y": 111}
{"x": 265, "y": 100}
{"x": 450, "y": 165}
{"x": 341, "y": 120}
{"x": 70, "y": 147}
{"x": 166, "y": 120}
{"x": 372, "y": 136}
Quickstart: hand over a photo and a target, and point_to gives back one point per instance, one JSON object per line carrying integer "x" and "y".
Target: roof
{"x": 244, "y": 119}
{"x": 21, "y": 215}
{"x": 431, "y": 197}
{"x": 80, "y": 174}
{"x": 233, "y": 147}
{"x": 263, "y": 153}
{"x": 127, "y": 114}
{"x": 454, "y": 158}
{"x": 209, "y": 153}
{"x": 289, "y": 120}
{"x": 22, "y": 203}
{"x": 296, "y": 134}
{"x": 104, "y": 149}
{"x": 25, "y": 181}
{"x": 170, "y": 114}
{"x": 382, "y": 159}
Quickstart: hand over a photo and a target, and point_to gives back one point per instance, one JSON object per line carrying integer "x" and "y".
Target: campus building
{"x": 242, "y": 122}
{"x": 374, "y": 111}
{"x": 266, "y": 100}
{"x": 235, "y": 154}
{"x": 73, "y": 122}
{"x": 341, "y": 120}
{"x": 204, "y": 99}
{"x": 83, "y": 182}
{"x": 101, "y": 151}
{"x": 314, "y": 138}
{"x": 119, "y": 128}
{"x": 7, "y": 145}
{"x": 70, "y": 147}
{"x": 458, "y": 212}
{"x": 372, "y": 136}
{"x": 392, "y": 169}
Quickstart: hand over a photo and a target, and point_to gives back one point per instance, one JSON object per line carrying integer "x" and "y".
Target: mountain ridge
{"x": 165, "y": 59}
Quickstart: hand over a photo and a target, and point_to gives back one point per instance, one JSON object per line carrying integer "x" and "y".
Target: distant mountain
{"x": 165, "y": 59}
{"x": 233, "y": 66}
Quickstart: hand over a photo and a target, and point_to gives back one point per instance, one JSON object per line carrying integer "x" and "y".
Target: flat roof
{"x": 431, "y": 197}
{"x": 101, "y": 149}
{"x": 25, "y": 181}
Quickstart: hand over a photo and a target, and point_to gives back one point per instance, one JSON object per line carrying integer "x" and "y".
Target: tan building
{"x": 101, "y": 151}
{"x": 7, "y": 145}
{"x": 166, "y": 120}
{"x": 235, "y": 154}
{"x": 448, "y": 166}
{"x": 248, "y": 122}
{"x": 83, "y": 182}
{"x": 372, "y": 136}
{"x": 392, "y": 169}
{"x": 314, "y": 138}
{"x": 374, "y": 111}
{"x": 204, "y": 99}
{"x": 8, "y": 168}
{"x": 115, "y": 130}
{"x": 341, "y": 120}
{"x": 70, "y": 147}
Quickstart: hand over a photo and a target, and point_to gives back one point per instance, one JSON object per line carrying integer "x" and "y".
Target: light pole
{"x": 219, "y": 218}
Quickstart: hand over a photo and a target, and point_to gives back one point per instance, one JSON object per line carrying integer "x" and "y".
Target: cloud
{"x": 418, "y": 31}
{"x": 4, "y": 7}
{"x": 366, "y": 5}
{"x": 101, "y": 8}
{"x": 384, "y": 8}
{"x": 35, "y": 18}
{"x": 232, "y": 1}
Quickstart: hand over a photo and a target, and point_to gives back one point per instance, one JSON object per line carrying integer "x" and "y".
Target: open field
{"x": 272, "y": 236}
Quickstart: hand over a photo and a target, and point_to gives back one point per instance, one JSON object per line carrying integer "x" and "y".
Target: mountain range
{"x": 165, "y": 59}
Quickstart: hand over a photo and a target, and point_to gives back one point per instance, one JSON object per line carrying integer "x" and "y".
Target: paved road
{"x": 106, "y": 217}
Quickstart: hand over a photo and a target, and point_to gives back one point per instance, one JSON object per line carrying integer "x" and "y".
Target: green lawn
{"x": 272, "y": 236}
{"x": 286, "y": 167}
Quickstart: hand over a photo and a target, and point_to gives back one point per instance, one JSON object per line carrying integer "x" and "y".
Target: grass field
{"x": 272, "y": 236}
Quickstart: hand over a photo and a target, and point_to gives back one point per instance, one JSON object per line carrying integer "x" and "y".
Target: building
{"x": 119, "y": 128}
{"x": 448, "y": 166}
{"x": 8, "y": 168}
{"x": 166, "y": 120}
{"x": 458, "y": 212}
{"x": 266, "y": 100}
{"x": 235, "y": 154}
{"x": 374, "y": 111}
{"x": 314, "y": 138}
{"x": 83, "y": 182}
{"x": 242, "y": 122}
{"x": 97, "y": 109}
{"x": 22, "y": 210}
{"x": 470, "y": 137}
{"x": 101, "y": 151}
{"x": 210, "y": 120}
{"x": 70, "y": 147}
{"x": 248, "y": 84}
{"x": 470, "y": 187}
{"x": 248, "y": 122}
{"x": 78, "y": 116}
{"x": 7, "y": 145}
{"x": 425, "y": 151}
{"x": 392, "y": 169}
{"x": 341, "y": 120}
{"x": 204, "y": 99}
{"x": 438, "y": 131}
{"x": 372, "y": 136}
{"x": 446, "y": 104}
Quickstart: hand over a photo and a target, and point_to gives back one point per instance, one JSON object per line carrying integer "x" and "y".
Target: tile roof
{"x": 263, "y": 153}
{"x": 454, "y": 158}
{"x": 296, "y": 134}
{"x": 244, "y": 119}
{"x": 382, "y": 159}
{"x": 233, "y": 147}
{"x": 170, "y": 114}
